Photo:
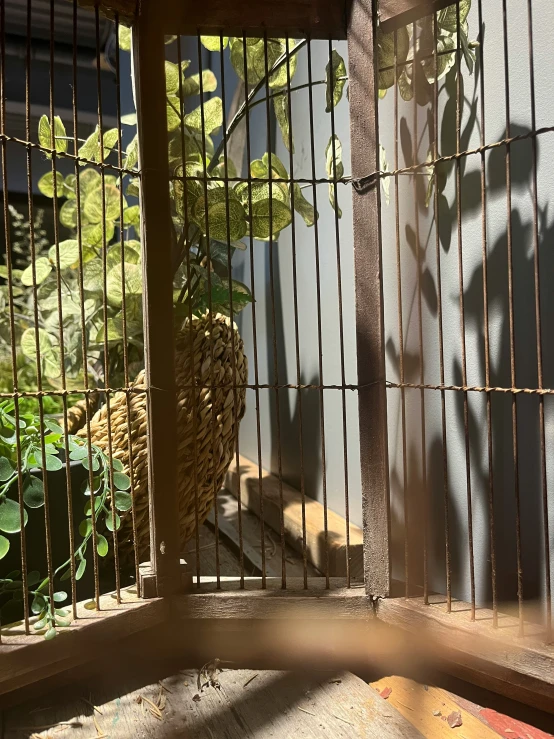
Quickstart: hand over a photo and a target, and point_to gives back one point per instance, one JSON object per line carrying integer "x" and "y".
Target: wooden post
{"x": 149, "y": 71}
{"x": 366, "y": 202}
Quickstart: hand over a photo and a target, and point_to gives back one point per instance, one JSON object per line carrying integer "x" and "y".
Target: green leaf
{"x": 386, "y": 57}
{"x": 69, "y": 186}
{"x": 42, "y": 270}
{"x": 213, "y": 43}
{"x": 89, "y": 179}
{"x": 77, "y": 454}
{"x": 171, "y": 77}
{"x": 405, "y": 87}
{"x": 93, "y": 235}
{"x": 45, "y": 133}
{"x": 33, "y": 578}
{"x": 109, "y": 521}
{"x": 213, "y": 116}
{"x": 121, "y": 481}
{"x": 101, "y": 545}
{"x": 28, "y": 343}
{"x": 6, "y": 469}
{"x": 10, "y": 513}
{"x": 93, "y": 204}
{"x": 68, "y": 214}
{"x": 60, "y": 596}
{"x": 133, "y": 283}
{"x": 4, "y": 546}
{"x": 269, "y": 217}
{"x": 130, "y": 119}
{"x": 124, "y": 38}
{"x": 131, "y": 256}
{"x": 69, "y": 253}
{"x": 46, "y": 184}
{"x": 123, "y": 501}
{"x": 117, "y": 464}
{"x": 191, "y": 85}
{"x": 85, "y": 527}
{"x": 173, "y": 109}
{"x": 91, "y": 148}
{"x": 448, "y": 18}
{"x": 51, "y": 462}
{"x": 110, "y": 139}
{"x": 39, "y": 603}
{"x": 302, "y": 206}
{"x": 38, "y": 625}
{"x": 256, "y": 60}
{"x": 281, "y": 107}
{"x": 51, "y": 633}
{"x": 131, "y": 216}
{"x": 277, "y": 167}
{"x": 132, "y": 155}
{"x": 335, "y": 71}
{"x": 81, "y": 569}
{"x": 219, "y": 207}
{"x": 133, "y": 189}
{"x": 33, "y": 492}
{"x": 334, "y": 168}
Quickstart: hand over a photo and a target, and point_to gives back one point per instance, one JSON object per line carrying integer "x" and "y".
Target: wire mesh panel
{"x": 465, "y": 234}
{"x": 73, "y": 504}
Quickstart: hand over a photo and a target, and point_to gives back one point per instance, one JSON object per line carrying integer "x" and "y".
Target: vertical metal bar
{"x": 231, "y": 312}
{"x": 8, "y": 247}
{"x": 486, "y": 319}
{"x": 105, "y": 295}
{"x": 366, "y": 203}
{"x": 149, "y": 71}
{"x": 213, "y": 389}
{"x": 509, "y": 235}
{"x": 295, "y": 306}
{"x": 459, "y": 217}
{"x": 187, "y": 246}
{"x": 318, "y": 301}
{"x": 538, "y": 322}
{"x": 400, "y": 325}
{"x": 254, "y": 325}
{"x": 440, "y": 327}
{"x": 341, "y": 344}
{"x": 415, "y": 159}
{"x": 275, "y": 358}
{"x": 124, "y": 323}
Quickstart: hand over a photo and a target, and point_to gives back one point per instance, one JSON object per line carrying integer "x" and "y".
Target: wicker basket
{"x": 207, "y": 427}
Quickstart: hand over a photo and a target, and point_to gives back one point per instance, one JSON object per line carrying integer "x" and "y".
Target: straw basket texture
{"x": 207, "y": 427}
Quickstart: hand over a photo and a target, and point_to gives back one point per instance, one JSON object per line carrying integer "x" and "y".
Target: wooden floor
{"x": 244, "y": 704}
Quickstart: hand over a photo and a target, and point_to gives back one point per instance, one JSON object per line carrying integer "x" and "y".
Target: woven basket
{"x": 207, "y": 427}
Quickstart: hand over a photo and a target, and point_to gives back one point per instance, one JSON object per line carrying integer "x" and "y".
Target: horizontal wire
{"x": 82, "y": 391}
{"x": 472, "y": 388}
{"x": 67, "y": 155}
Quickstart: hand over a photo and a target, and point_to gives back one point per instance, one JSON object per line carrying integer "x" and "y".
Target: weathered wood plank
{"x": 370, "y": 340}
{"x": 396, "y": 13}
{"x": 292, "y": 514}
{"x": 495, "y": 659}
{"x": 319, "y": 18}
{"x": 247, "y": 704}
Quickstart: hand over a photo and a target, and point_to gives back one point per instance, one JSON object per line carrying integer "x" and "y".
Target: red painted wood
{"x": 510, "y": 728}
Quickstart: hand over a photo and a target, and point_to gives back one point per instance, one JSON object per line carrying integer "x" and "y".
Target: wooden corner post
{"x": 149, "y": 80}
{"x": 366, "y": 202}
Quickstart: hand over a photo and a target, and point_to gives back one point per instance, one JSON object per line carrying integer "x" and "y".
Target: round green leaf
{"x": 131, "y": 216}
{"x": 123, "y": 501}
{"x": 68, "y": 214}
{"x": 60, "y": 596}
{"x": 46, "y": 184}
{"x": 81, "y": 569}
{"x": 121, "y": 481}
{"x": 117, "y": 464}
{"x": 269, "y": 217}
{"x": 89, "y": 179}
{"x": 85, "y": 527}
{"x": 33, "y": 578}
{"x": 218, "y": 205}
{"x": 53, "y": 463}
{"x": 93, "y": 234}
{"x": 171, "y": 77}
{"x": 33, "y": 492}
{"x": 42, "y": 270}
{"x": 28, "y": 344}
{"x": 109, "y": 521}
{"x": 101, "y": 545}
{"x": 213, "y": 116}
{"x": 133, "y": 282}
{"x": 213, "y": 43}
{"x": 10, "y": 513}
{"x": 79, "y": 453}
{"x": 93, "y": 204}
{"x": 38, "y": 604}
{"x": 4, "y": 546}
{"x": 51, "y": 633}
{"x": 124, "y": 38}
{"x": 6, "y": 469}
{"x": 386, "y": 54}
{"x": 69, "y": 253}
{"x": 38, "y": 625}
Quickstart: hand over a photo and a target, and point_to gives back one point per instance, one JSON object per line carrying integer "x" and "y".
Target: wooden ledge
{"x": 496, "y": 659}
{"x": 249, "y": 481}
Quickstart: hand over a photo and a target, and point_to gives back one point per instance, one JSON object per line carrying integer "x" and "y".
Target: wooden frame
{"x": 397, "y": 13}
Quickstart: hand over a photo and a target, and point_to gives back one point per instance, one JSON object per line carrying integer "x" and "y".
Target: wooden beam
{"x": 248, "y": 476}
{"x": 149, "y": 79}
{"x": 496, "y": 659}
{"x": 318, "y": 18}
{"x": 394, "y": 14}
{"x": 370, "y": 339}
